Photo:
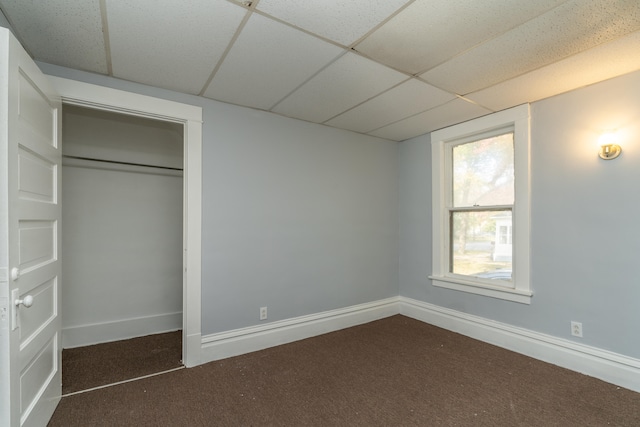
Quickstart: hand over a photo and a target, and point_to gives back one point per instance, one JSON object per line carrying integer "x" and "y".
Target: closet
{"x": 122, "y": 226}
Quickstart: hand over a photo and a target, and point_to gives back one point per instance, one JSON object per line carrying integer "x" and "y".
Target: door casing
{"x": 92, "y": 96}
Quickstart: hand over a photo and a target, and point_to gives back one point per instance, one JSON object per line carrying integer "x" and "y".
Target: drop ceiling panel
{"x": 498, "y": 53}
{"x": 537, "y": 43}
{"x": 404, "y": 100}
{"x": 603, "y": 62}
{"x": 429, "y": 32}
{"x": 62, "y": 32}
{"x": 175, "y": 46}
{"x": 267, "y": 62}
{"x": 343, "y": 21}
{"x": 346, "y": 83}
{"x": 453, "y": 112}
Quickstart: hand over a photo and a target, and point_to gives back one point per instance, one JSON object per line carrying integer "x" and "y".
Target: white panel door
{"x": 30, "y": 340}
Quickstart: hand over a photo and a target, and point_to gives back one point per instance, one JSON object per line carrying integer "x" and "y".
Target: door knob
{"x": 15, "y": 273}
{"x": 27, "y": 301}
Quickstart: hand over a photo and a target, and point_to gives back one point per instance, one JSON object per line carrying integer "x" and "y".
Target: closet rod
{"x": 120, "y": 163}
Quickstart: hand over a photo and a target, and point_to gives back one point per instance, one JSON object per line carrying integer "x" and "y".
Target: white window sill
{"x": 500, "y": 292}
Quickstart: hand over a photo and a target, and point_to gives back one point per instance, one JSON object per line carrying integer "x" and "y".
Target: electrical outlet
{"x": 576, "y": 329}
{"x": 263, "y": 313}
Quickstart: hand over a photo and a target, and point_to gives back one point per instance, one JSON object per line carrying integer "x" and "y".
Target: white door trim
{"x": 99, "y": 97}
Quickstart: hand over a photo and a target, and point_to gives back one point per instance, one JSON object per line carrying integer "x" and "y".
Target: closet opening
{"x": 122, "y": 246}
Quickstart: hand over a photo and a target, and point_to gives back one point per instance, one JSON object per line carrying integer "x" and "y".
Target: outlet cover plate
{"x": 576, "y": 329}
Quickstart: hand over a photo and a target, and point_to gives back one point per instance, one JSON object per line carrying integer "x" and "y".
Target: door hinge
{"x": 4, "y": 312}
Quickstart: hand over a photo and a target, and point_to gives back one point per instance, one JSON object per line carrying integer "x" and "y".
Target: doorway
{"x": 122, "y": 192}
{"x": 77, "y": 93}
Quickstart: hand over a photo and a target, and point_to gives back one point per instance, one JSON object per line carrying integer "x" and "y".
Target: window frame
{"x": 517, "y": 120}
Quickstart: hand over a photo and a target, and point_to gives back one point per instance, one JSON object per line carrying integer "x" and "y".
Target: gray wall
{"x": 298, "y": 217}
{"x": 277, "y": 231}
{"x": 585, "y": 241}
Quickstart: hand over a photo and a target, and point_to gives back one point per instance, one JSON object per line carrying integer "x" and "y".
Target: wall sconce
{"x": 608, "y": 148}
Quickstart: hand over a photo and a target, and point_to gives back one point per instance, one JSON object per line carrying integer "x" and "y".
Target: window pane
{"x": 483, "y": 172}
{"x": 481, "y": 244}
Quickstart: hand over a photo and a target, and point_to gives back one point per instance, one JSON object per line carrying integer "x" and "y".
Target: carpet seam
{"x": 122, "y": 382}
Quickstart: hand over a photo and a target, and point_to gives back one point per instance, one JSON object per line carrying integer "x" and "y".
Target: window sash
{"x": 451, "y": 244}
{"x": 451, "y": 209}
{"x": 448, "y": 146}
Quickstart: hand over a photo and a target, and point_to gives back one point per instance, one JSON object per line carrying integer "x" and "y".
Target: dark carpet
{"x": 392, "y": 372}
{"x": 92, "y": 366}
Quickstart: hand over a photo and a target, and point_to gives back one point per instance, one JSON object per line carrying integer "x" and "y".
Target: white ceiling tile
{"x": 603, "y": 62}
{"x": 347, "y": 82}
{"x": 343, "y": 21}
{"x": 451, "y": 113}
{"x": 498, "y": 53}
{"x": 406, "y": 99}
{"x": 62, "y": 32}
{"x": 175, "y": 46}
{"x": 267, "y": 62}
{"x": 566, "y": 30}
{"x": 429, "y": 32}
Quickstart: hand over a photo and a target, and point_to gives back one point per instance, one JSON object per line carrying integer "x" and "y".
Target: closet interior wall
{"x": 122, "y": 226}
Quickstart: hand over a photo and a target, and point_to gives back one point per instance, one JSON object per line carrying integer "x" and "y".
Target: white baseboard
{"x": 79, "y": 336}
{"x": 240, "y": 341}
{"x": 605, "y": 365}
{"x": 192, "y": 345}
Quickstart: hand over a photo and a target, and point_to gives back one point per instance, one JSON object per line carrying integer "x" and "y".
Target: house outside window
{"x": 481, "y": 206}
{"x": 503, "y": 247}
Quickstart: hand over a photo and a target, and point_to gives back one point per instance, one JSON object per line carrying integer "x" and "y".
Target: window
{"x": 481, "y": 206}
{"x": 505, "y": 235}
